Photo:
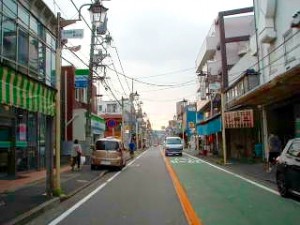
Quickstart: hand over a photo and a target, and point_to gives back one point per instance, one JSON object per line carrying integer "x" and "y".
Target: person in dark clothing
{"x": 131, "y": 148}
{"x": 274, "y": 150}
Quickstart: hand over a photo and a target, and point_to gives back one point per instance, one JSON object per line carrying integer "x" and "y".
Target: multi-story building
{"x": 224, "y": 46}
{"x": 27, "y": 84}
{"x": 267, "y": 78}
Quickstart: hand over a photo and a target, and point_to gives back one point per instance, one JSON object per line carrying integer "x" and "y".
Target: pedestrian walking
{"x": 76, "y": 154}
{"x": 132, "y": 148}
{"x": 274, "y": 150}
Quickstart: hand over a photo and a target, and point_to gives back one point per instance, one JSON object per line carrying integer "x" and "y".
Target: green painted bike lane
{"x": 220, "y": 198}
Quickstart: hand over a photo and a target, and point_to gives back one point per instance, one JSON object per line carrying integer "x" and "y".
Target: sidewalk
{"x": 253, "y": 171}
{"x": 24, "y": 197}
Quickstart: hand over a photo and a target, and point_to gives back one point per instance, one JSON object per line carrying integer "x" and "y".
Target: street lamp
{"x": 98, "y": 17}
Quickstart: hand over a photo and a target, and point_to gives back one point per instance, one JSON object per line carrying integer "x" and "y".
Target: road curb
{"x": 63, "y": 198}
{"x": 26, "y": 217}
{"x": 38, "y": 210}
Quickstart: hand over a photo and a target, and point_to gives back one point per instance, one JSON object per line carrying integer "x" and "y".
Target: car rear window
{"x": 173, "y": 141}
{"x": 107, "y": 145}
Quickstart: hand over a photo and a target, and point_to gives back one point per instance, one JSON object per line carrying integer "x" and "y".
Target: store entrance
{"x": 6, "y": 145}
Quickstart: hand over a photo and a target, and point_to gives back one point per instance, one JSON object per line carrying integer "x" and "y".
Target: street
{"x": 143, "y": 193}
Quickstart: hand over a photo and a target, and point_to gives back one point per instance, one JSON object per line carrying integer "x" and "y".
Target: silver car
{"x": 173, "y": 146}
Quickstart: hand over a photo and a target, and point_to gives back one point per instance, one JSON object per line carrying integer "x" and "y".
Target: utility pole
{"x": 88, "y": 128}
{"x": 58, "y": 106}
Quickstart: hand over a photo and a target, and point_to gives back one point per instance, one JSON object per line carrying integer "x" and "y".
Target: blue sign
{"x": 81, "y": 81}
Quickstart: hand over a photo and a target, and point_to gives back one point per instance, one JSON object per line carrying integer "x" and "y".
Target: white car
{"x": 173, "y": 146}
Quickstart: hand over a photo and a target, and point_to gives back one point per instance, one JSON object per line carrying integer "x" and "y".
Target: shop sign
{"x": 72, "y": 34}
{"x": 22, "y": 132}
{"x": 239, "y": 119}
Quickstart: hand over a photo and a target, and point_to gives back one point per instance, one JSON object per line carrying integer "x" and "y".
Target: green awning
{"x": 19, "y": 91}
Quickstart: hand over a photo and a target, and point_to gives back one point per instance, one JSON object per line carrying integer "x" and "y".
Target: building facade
{"x": 270, "y": 86}
{"x": 226, "y": 43}
{"x": 27, "y": 85}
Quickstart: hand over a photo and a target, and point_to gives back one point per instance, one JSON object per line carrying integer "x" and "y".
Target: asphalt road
{"x": 142, "y": 193}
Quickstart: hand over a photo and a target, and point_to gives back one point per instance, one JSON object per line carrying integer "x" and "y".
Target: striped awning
{"x": 19, "y": 91}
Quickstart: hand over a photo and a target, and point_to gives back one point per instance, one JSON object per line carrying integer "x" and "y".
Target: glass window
{"x": 23, "y": 16}
{"x": 10, "y": 8}
{"x": 173, "y": 141}
{"x": 42, "y": 61}
{"x": 111, "y": 108}
{"x": 41, "y": 31}
{"x": 23, "y": 47}
{"x": 9, "y": 39}
{"x": 33, "y": 53}
{"x": 294, "y": 150}
{"x": 107, "y": 145}
{"x": 48, "y": 66}
{"x": 50, "y": 40}
{"x": 34, "y": 25}
{"x": 53, "y": 70}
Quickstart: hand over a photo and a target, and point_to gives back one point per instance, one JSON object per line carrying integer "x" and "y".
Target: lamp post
{"x": 98, "y": 18}
{"x": 98, "y": 12}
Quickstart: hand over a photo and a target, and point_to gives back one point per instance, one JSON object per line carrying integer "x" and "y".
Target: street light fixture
{"x": 98, "y": 13}
{"x": 98, "y": 17}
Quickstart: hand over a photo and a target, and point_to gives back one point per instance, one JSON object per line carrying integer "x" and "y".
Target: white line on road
{"x": 82, "y": 201}
{"x": 236, "y": 175}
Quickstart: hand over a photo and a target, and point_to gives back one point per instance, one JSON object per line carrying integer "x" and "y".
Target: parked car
{"x": 288, "y": 169}
{"x": 108, "y": 152}
{"x": 173, "y": 146}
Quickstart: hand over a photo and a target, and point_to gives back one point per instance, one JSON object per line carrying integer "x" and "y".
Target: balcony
{"x": 243, "y": 85}
{"x": 207, "y": 51}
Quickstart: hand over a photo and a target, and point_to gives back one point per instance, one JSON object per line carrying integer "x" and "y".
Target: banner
{"x": 239, "y": 119}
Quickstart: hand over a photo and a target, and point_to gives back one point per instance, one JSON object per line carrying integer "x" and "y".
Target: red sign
{"x": 239, "y": 119}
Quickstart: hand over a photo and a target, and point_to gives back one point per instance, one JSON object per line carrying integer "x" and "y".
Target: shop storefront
{"x": 98, "y": 127}
{"x": 25, "y": 107}
{"x": 210, "y": 130}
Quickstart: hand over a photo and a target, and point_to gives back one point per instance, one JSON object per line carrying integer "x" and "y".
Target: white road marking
{"x": 185, "y": 161}
{"x": 86, "y": 198}
{"x": 236, "y": 175}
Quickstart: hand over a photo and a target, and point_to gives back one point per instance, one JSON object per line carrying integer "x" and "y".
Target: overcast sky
{"x": 158, "y": 42}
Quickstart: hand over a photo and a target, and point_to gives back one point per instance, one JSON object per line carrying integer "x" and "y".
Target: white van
{"x": 173, "y": 146}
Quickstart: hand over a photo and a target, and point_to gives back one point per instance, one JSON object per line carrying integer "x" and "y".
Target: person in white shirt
{"x": 76, "y": 154}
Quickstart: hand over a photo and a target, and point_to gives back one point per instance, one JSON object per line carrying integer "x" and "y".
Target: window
{"x": 34, "y": 26}
{"x": 48, "y": 66}
{"x": 23, "y": 47}
{"x": 173, "y": 141}
{"x": 33, "y": 53}
{"x": 10, "y": 9}
{"x": 23, "y": 16}
{"x": 111, "y": 108}
{"x": 100, "y": 108}
{"x": 42, "y": 61}
{"x": 9, "y": 39}
{"x": 107, "y": 145}
{"x": 294, "y": 150}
